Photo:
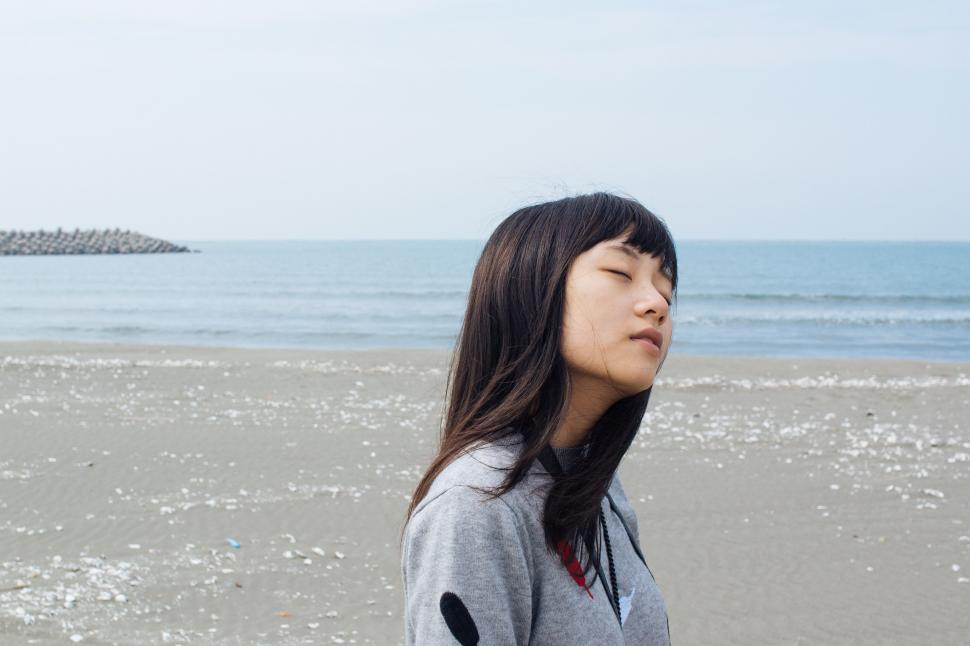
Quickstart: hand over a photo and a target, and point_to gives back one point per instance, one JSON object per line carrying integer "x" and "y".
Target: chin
{"x": 635, "y": 387}
{"x": 634, "y": 377}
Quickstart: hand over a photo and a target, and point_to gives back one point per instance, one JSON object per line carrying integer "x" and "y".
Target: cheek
{"x": 591, "y": 333}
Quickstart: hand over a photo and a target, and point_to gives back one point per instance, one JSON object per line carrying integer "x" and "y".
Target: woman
{"x": 520, "y": 531}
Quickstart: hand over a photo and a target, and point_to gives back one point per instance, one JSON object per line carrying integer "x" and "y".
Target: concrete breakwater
{"x": 87, "y": 241}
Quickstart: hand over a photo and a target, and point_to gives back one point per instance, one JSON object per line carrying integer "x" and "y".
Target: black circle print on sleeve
{"x": 459, "y": 620}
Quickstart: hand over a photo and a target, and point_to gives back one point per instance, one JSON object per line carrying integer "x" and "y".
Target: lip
{"x": 651, "y": 338}
{"x": 648, "y": 344}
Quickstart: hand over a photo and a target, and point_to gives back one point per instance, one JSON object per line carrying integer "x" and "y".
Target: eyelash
{"x": 631, "y": 278}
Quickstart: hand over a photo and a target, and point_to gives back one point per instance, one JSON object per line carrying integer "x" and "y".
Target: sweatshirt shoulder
{"x": 482, "y": 466}
{"x": 464, "y": 522}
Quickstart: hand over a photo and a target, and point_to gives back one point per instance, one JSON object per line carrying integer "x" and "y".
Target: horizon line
{"x": 184, "y": 240}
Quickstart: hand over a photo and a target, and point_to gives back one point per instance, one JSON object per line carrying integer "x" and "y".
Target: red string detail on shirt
{"x": 575, "y": 569}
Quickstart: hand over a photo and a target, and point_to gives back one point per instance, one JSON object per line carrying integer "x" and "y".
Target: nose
{"x": 654, "y": 302}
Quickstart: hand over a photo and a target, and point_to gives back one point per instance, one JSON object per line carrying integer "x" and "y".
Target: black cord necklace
{"x": 609, "y": 556}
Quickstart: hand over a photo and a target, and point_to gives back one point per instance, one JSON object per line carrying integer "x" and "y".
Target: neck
{"x": 588, "y": 403}
{"x": 567, "y": 437}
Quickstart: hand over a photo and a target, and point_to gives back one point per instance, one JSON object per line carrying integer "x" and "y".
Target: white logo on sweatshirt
{"x": 625, "y": 603}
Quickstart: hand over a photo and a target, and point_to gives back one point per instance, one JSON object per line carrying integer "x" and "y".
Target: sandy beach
{"x": 182, "y": 495}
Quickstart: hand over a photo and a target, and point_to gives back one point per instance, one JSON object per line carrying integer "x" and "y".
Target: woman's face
{"x": 613, "y": 295}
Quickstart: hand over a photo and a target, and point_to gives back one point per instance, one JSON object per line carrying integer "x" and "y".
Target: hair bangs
{"x": 645, "y": 231}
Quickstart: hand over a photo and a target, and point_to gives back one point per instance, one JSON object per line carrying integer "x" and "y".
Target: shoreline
{"x": 817, "y": 362}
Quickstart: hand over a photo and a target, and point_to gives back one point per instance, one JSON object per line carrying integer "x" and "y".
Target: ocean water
{"x": 790, "y": 299}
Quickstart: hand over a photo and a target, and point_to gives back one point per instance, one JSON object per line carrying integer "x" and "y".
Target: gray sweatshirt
{"x": 492, "y": 555}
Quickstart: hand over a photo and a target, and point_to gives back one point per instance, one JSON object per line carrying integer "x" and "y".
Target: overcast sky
{"x": 410, "y": 119}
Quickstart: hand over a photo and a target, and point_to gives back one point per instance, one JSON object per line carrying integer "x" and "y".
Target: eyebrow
{"x": 631, "y": 251}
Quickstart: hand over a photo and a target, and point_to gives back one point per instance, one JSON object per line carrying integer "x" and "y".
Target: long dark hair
{"x": 508, "y": 370}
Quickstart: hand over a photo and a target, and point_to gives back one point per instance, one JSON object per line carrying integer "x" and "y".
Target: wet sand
{"x": 780, "y": 501}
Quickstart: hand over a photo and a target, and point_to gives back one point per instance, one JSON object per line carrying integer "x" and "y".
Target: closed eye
{"x": 621, "y": 273}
